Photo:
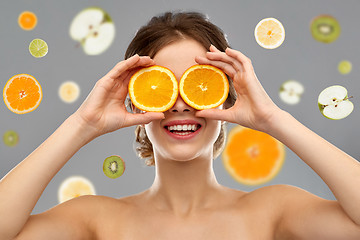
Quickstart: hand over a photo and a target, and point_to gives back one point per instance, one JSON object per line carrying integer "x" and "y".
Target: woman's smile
{"x": 182, "y": 129}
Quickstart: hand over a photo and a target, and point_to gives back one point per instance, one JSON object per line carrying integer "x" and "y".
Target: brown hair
{"x": 163, "y": 30}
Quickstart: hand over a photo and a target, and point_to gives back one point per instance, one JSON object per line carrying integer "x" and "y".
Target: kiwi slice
{"x": 325, "y": 28}
{"x": 114, "y": 166}
{"x": 11, "y": 138}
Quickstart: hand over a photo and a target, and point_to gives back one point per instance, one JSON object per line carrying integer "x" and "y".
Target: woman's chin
{"x": 184, "y": 156}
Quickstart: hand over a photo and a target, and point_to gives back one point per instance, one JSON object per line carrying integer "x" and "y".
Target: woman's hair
{"x": 163, "y": 30}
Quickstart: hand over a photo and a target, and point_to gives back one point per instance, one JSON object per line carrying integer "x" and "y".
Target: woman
{"x": 185, "y": 200}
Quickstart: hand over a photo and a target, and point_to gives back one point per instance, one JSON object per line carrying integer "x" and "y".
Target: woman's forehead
{"x": 179, "y": 56}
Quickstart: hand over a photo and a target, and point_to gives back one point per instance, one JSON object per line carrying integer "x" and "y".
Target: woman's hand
{"x": 104, "y": 109}
{"x": 253, "y": 107}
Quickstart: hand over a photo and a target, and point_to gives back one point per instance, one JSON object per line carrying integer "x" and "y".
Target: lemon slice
{"x": 38, "y": 48}
{"x": 69, "y": 91}
{"x": 73, "y": 187}
{"x": 269, "y": 33}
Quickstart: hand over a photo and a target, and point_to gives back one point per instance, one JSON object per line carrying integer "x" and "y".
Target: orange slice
{"x": 252, "y": 157}
{"x": 153, "y": 89}
{"x": 204, "y": 87}
{"x": 22, "y": 93}
{"x": 27, "y": 20}
{"x": 269, "y": 33}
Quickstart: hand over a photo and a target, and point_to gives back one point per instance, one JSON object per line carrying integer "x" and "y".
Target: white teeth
{"x": 182, "y": 133}
{"x": 189, "y": 127}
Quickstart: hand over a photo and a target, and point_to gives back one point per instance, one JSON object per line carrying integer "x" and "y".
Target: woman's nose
{"x": 180, "y": 106}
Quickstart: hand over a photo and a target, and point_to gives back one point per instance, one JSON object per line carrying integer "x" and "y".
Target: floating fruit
{"x": 27, "y": 20}
{"x": 94, "y": 29}
{"x": 114, "y": 166}
{"x": 334, "y": 102}
{"x": 38, "y": 48}
{"x": 73, "y": 187}
{"x": 11, "y": 138}
{"x": 252, "y": 157}
{"x": 269, "y": 33}
{"x": 325, "y": 28}
{"x": 22, "y": 93}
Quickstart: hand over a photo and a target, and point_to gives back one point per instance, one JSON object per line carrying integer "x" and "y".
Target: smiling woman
{"x": 165, "y": 31}
{"x": 185, "y": 200}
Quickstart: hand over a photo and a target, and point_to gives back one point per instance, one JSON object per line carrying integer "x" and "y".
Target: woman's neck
{"x": 184, "y": 187}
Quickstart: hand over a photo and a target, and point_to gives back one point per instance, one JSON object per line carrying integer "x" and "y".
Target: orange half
{"x": 22, "y": 93}
{"x": 252, "y": 157}
{"x": 153, "y": 89}
{"x": 27, "y": 20}
{"x": 204, "y": 87}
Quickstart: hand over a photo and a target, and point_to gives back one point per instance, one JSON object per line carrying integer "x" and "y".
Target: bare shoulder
{"x": 282, "y": 199}
{"x": 280, "y": 194}
{"x": 299, "y": 214}
{"x": 272, "y": 194}
{"x": 73, "y": 219}
{"x": 267, "y": 205}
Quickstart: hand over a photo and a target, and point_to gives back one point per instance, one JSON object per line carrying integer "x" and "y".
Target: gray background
{"x": 300, "y": 57}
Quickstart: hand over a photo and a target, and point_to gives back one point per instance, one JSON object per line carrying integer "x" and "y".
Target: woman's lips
{"x": 182, "y": 129}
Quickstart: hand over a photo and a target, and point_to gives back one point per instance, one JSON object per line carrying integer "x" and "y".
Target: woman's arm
{"x": 339, "y": 171}
{"x": 22, "y": 187}
{"x": 305, "y": 215}
{"x": 103, "y": 111}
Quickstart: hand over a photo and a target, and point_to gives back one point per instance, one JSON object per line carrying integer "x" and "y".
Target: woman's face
{"x": 193, "y": 137}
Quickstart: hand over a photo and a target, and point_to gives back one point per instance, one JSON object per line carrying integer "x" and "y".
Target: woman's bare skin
{"x": 185, "y": 200}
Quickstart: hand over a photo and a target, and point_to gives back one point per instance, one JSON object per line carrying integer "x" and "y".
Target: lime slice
{"x": 69, "y": 91}
{"x": 11, "y": 138}
{"x": 38, "y": 48}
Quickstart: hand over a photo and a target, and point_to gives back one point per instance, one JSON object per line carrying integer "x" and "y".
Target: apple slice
{"x": 94, "y": 29}
{"x": 291, "y": 91}
{"x": 334, "y": 103}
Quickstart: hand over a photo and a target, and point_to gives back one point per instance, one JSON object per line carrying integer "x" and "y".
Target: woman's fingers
{"x": 142, "y": 118}
{"x": 246, "y": 62}
{"x": 118, "y": 78}
{"x": 213, "y": 49}
{"x": 228, "y": 69}
{"x": 130, "y": 63}
{"x": 223, "y": 57}
{"x": 216, "y": 114}
{"x": 233, "y": 57}
{"x": 122, "y": 66}
{"x": 230, "y": 64}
